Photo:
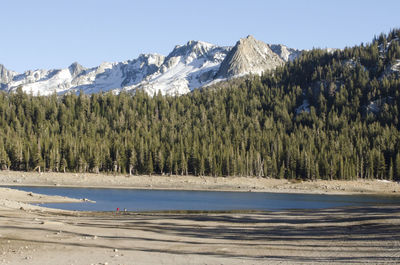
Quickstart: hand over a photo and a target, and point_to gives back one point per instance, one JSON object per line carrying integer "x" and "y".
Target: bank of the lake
{"x": 12, "y": 199}
{"x": 34, "y": 235}
{"x": 254, "y": 184}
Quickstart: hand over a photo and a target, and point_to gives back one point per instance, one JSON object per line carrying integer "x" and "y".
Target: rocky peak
{"x": 75, "y": 69}
{"x": 191, "y": 48}
{"x": 6, "y": 75}
{"x": 249, "y": 56}
{"x": 247, "y": 39}
{"x": 151, "y": 59}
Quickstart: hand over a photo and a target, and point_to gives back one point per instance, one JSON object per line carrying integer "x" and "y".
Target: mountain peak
{"x": 249, "y": 37}
{"x": 75, "y": 68}
{"x": 249, "y": 56}
{"x": 5, "y": 74}
{"x": 192, "y": 47}
{"x": 247, "y": 40}
{"x": 151, "y": 59}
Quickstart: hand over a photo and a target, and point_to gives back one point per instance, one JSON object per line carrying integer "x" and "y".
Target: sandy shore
{"x": 34, "y": 235}
{"x": 336, "y": 236}
{"x": 11, "y": 199}
{"x": 198, "y": 183}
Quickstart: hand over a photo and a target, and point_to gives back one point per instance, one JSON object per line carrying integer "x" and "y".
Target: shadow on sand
{"x": 343, "y": 235}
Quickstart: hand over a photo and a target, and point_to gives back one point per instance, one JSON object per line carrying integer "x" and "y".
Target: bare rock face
{"x": 5, "y": 75}
{"x": 76, "y": 69}
{"x": 249, "y": 56}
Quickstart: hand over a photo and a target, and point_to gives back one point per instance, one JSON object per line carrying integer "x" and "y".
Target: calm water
{"x": 155, "y": 200}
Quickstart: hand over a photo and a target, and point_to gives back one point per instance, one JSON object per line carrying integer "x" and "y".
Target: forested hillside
{"x": 329, "y": 115}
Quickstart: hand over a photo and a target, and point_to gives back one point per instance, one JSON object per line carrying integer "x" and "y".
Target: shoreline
{"x": 288, "y": 191}
{"x": 13, "y": 199}
{"x": 197, "y": 183}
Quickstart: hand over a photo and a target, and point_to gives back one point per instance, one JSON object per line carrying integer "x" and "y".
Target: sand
{"x": 14, "y": 199}
{"x": 34, "y": 235}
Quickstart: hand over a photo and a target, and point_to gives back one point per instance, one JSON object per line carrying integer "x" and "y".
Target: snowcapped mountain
{"x": 187, "y": 67}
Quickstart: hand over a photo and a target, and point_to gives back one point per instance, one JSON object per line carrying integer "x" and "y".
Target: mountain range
{"x": 187, "y": 67}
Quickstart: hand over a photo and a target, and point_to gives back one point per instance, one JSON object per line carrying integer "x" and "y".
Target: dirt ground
{"x": 335, "y": 236}
{"x": 34, "y": 235}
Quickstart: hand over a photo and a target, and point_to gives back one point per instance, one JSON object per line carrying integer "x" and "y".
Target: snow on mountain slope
{"x": 187, "y": 67}
{"x": 106, "y": 77}
{"x": 285, "y": 53}
{"x": 43, "y": 82}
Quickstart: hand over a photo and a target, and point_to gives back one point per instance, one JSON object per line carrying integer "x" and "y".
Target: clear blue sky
{"x": 55, "y": 33}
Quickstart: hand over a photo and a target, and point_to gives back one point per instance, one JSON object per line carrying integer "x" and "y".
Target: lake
{"x": 159, "y": 200}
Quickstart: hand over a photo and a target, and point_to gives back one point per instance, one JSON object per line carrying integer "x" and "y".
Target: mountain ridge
{"x": 187, "y": 67}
